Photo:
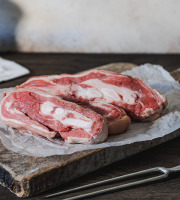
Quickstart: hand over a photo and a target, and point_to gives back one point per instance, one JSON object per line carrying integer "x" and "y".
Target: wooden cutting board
{"x": 29, "y": 176}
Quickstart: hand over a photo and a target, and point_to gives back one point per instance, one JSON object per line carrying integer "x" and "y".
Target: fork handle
{"x": 175, "y": 169}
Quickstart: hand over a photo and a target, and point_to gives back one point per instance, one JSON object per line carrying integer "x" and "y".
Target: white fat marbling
{"x": 42, "y": 129}
{"x": 60, "y": 89}
{"x": 88, "y": 93}
{"x": 99, "y": 104}
{"x": 59, "y": 111}
{"x": 46, "y": 108}
{"x": 109, "y": 92}
{"x": 80, "y": 121}
{"x": 11, "y": 120}
{"x": 14, "y": 110}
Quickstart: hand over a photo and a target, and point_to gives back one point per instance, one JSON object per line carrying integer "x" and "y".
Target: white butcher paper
{"x": 153, "y": 75}
{"x": 10, "y": 70}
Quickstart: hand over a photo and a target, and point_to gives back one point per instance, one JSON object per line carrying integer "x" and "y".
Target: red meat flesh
{"x": 50, "y": 116}
{"x": 131, "y": 94}
{"x": 110, "y": 112}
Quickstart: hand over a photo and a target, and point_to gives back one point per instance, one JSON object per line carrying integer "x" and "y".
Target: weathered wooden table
{"x": 167, "y": 154}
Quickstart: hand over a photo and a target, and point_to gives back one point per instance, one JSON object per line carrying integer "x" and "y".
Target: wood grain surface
{"x": 58, "y": 63}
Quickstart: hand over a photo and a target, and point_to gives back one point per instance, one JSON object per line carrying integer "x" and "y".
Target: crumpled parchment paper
{"x": 10, "y": 70}
{"x": 153, "y": 75}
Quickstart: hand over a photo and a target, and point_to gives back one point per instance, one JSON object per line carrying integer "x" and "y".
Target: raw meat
{"x": 117, "y": 119}
{"x": 48, "y": 115}
{"x": 139, "y": 101}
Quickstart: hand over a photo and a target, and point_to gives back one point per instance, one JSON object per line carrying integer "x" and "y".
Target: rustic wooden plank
{"x": 28, "y": 176}
{"x": 117, "y": 67}
{"x": 176, "y": 74}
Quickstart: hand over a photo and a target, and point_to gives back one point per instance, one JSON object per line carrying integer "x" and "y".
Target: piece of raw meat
{"x": 48, "y": 115}
{"x": 117, "y": 119}
{"x": 139, "y": 101}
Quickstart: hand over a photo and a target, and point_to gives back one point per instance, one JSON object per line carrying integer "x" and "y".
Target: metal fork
{"x": 165, "y": 173}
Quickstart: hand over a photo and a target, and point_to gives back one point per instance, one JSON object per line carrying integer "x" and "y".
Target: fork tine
{"x": 124, "y": 186}
{"x": 105, "y": 181}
